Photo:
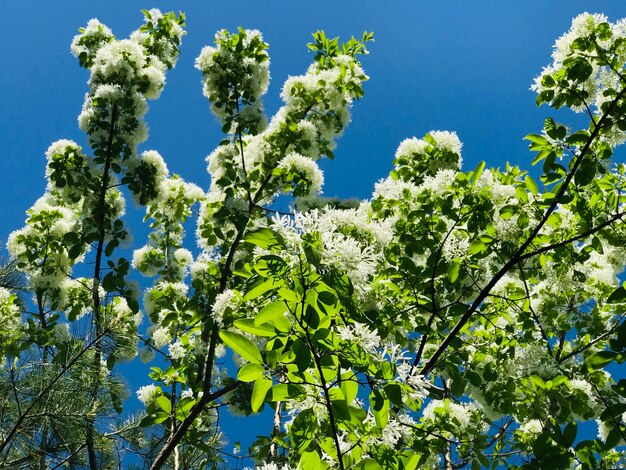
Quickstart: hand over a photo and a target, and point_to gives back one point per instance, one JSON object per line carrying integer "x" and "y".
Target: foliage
{"x": 456, "y": 319}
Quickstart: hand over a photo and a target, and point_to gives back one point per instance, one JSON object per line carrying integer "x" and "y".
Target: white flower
{"x": 410, "y": 147}
{"x": 118, "y": 58}
{"x": 183, "y": 257}
{"x": 447, "y": 140}
{"x": 177, "y": 350}
{"x": 94, "y": 29}
{"x": 360, "y": 334}
{"x": 120, "y": 308}
{"x": 533, "y": 426}
{"x": 440, "y": 182}
{"x": 462, "y": 417}
{"x": 160, "y": 337}
{"x": 225, "y": 300}
{"x": 60, "y": 146}
{"x": 582, "y": 26}
{"x": 147, "y": 393}
{"x": 389, "y": 188}
{"x": 143, "y": 260}
{"x": 306, "y": 169}
{"x": 456, "y": 246}
{"x": 155, "y": 160}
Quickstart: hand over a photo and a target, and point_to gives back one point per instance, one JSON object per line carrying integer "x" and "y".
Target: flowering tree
{"x": 455, "y": 319}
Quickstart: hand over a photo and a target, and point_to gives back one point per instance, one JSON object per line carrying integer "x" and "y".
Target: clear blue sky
{"x": 458, "y": 65}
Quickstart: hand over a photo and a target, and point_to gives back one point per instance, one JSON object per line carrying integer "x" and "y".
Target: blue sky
{"x": 457, "y": 65}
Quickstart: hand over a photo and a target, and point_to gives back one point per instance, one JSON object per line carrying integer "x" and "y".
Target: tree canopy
{"x": 457, "y": 319}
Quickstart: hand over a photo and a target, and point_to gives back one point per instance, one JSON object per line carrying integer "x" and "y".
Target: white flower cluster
{"x": 315, "y": 112}
{"x": 169, "y": 208}
{"x": 356, "y": 257}
{"x": 164, "y": 45}
{"x": 439, "y": 182}
{"x": 458, "y": 418}
{"x": 598, "y": 60}
{"x": 177, "y": 350}
{"x": 394, "y": 189}
{"x": 40, "y": 246}
{"x": 409, "y": 374}
{"x": 92, "y": 37}
{"x": 147, "y": 393}
{"x": 533, "y": 360}
{"x": 360, "y": 334}
{"x": 235, "y": 74}
{"x": 124, "y": 73}
{"x": 224, "y": 303}
{"x": 416, "y": 159}
{"x": 305, "y": 169}
{"x": 10, "y": 319}
{"x": 165, "y": 300}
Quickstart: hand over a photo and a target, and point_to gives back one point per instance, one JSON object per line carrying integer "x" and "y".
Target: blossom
{"x": 447, "y": 140}
{"x": 223, "y": 302}
{"x": 457, "y": 417}
{"x": 439, "y": 182}
{"x": 147, "y": 393}
{"x": 145, "y": 260}
{"x": 361, "y": 334}
{"x": 177, "y": 350}
{"x": 306, "y": 169}
{"x": 409, "y": 147}
{"x": 534, "y": 426}
{"x": 95, "y": 34}
{"x": 160, "y": 337}
{"x": 393, "y": 189}
{"x": 154, "y": 159}
{"x": 10, "y": 320}
{"x": 120, "y": 308}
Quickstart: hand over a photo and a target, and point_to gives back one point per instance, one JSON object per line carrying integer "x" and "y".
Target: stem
{"x": 206, "y": 371}
{"x": 100, "y": 214}
{"x": 517, "y": 257}
{"x": 175, "y": 438}
{"x": 435, "y": 310}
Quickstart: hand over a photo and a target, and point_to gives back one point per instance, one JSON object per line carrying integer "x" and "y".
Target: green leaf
{"x": 270, "y": 312}
{"x": 478, "y": 171}
{"x": 250, "y": 372}
{"x": 265, "y": 238}
{"x": 261, "y": 287}
{"x": 380, "y": 408}
{"x": 537, "y": 381}
{"x": 613, "y": 439}
{"x": 303, "y": 355}
{"x": 303, "y": 429}
{"x": 531, "y": 185}
{"x": 475, "y": 247}
{"x": 538, "y": 141}
{"x": 164, "y": 403}
{"x": 579, "y": 139}
{"x": 586, "y": 172}
{"x": 600, "y": 359}
{"x": 242, "y": 346}
{"x": 569, "y": 434}
{"x": 159, "y": 417}
{"x": 249, "y": 326}
{"x": 618, "y": 296}
{"x": 282, "y": 392}
{"x": 311, "y": 461}
{"x": 349, "y": 388}
{"x": 453, "y": 271}
{"x": 259, "y": 391}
